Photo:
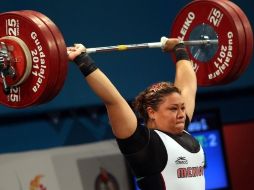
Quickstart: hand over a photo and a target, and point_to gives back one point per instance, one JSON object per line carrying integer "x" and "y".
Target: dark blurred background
{"x": 77, "y": 116}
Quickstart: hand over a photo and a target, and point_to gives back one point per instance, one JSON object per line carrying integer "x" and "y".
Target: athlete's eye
{"x": 173, "y": 109}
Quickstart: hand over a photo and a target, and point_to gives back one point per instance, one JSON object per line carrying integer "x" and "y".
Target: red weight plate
{"x": 53, "y": 58}
{"x": 248, "y": 37}
{"x": 20, "y": 60}
{"x": 242, "y": 41}
{"x": 220, "y": 19}
{"x": 41, "y": 46}
{"x": 61, "y": 52}
{"x": 54, "y": 63}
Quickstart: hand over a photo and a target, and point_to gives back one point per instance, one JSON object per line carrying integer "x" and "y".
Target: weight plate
{"x": 239, "y": 61}
{"x": 41, "y": 46}
{"x": 53, "y": 59}
{"x": 61, "y": 47}
{"x": 54, "y": 63}
{"x": 198, "y": 13}
{"x": 248, "y": 38}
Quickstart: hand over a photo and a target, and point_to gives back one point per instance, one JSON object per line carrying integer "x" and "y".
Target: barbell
{"x": 33, "y": 57}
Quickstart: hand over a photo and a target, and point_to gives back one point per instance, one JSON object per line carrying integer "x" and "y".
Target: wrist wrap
{"x": 181, "y": 52}
{"x": 85, "y": 64}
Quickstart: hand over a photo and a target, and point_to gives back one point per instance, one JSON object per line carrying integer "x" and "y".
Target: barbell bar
{"x": 147, "y": 45}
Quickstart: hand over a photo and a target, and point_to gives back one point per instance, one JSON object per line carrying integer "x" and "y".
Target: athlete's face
{"x": 170, "y": 115}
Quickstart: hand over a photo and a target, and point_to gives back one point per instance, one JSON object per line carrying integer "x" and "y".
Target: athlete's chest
{"x": 183, "y": 152}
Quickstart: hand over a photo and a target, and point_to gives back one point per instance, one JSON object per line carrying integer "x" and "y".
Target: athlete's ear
{"x": 150, "y": 112}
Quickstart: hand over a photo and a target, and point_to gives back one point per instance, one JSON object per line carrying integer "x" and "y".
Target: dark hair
{"x": 152, "y": 97}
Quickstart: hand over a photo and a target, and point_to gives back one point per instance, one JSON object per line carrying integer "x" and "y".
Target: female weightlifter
{"x": 161, "y": 154}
